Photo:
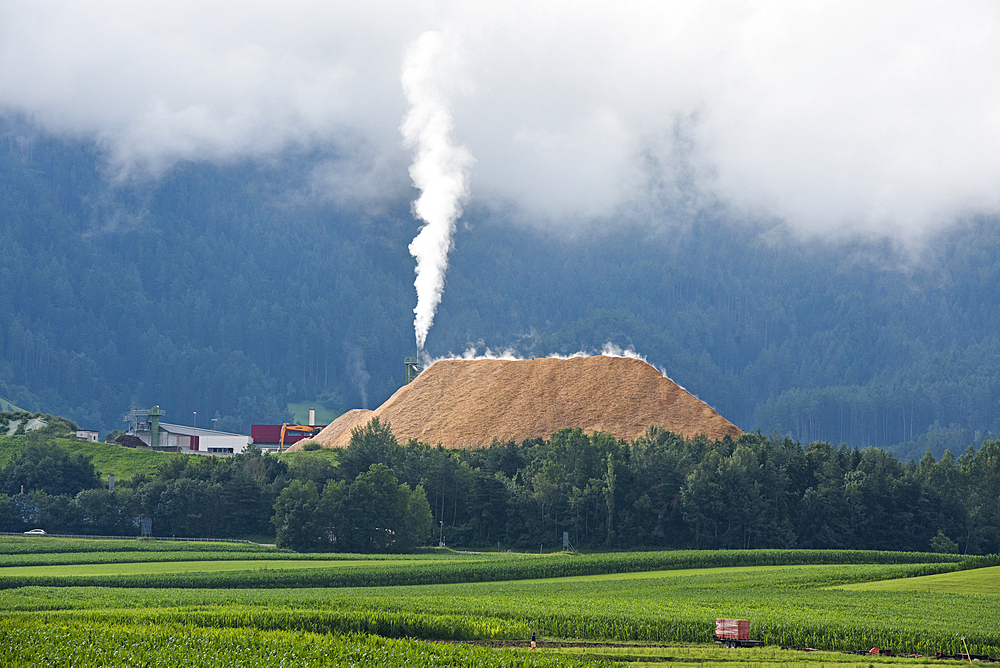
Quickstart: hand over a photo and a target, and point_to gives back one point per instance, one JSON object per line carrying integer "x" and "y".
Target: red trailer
{"x": 734, "y": 633}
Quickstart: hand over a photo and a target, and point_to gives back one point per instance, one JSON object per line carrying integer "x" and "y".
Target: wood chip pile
{"x": 469, "y": 403}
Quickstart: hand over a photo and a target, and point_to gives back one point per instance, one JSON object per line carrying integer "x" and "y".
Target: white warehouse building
{"x": 200, "y": 441}
{"x": 163, "y": 436}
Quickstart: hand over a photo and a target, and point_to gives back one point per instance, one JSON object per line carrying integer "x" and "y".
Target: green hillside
{"x": 855, "y": 343}
{"x": 124, "y": 463}
{"x": 7, "y": 407}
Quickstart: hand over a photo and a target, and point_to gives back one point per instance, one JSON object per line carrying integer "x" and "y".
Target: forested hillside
{"x": 234, "y": 290}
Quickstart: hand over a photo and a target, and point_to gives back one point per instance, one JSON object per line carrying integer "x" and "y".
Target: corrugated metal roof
{"x": 195, "y": 431}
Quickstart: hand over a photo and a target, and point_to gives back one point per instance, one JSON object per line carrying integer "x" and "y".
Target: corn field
{"x": 356, "y": 571}
{"x": 78, "y": 645}
{"x": 791, "y": 598}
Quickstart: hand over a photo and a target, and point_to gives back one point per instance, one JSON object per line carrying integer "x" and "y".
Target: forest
{"x": 661, "y": 491}
{"x": 225, "y": 293}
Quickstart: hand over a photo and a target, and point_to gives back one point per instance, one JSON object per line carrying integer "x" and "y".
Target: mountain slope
{"x": 231, "y": 291}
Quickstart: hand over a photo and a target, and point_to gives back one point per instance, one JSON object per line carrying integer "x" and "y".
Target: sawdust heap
{"x": 469, "y": 403}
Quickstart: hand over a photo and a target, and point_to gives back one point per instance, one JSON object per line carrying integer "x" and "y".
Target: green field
{"x": 32, "y": 643}
{"x": 641, "y": 607}
{"x": 187, "y": 566}
{"x": 436, "y": 567}
{"x": 980, "y": 582}
{"x": 76, "y": 549}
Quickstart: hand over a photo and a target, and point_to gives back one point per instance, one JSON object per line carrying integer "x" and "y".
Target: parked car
{"x": 36, "y": 532}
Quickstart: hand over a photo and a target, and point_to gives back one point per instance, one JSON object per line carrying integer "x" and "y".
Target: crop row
{"x": 121, "y": 557}
{"x": 14, "y": 545}
{"x": 657, "y": 593}
{"x": 482, "y": 569}
{"x": 386, "y": 623}
{"x": 363, "y": 575}
{"x": 677, "y": 607}
{"x": 27, "y": 644}
{"x": 774, "y": 627}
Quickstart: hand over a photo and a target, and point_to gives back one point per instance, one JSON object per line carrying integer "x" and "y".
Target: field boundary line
{"x": 69, "y": 535}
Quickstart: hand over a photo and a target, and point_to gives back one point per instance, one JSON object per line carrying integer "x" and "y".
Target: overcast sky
{"x": 836, "y": 117}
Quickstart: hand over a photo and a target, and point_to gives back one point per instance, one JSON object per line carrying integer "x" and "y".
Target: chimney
{"x": 312, "y": 417}
{"x": 412, "y": 365}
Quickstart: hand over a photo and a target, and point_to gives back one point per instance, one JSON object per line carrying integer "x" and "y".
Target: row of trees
{"x": 190, "y": 496}
{"x": 374, "y": 513}
{"x": 665, "y": 491}
{"x": 308, "y": 504}
{"x": 660, "y": 491}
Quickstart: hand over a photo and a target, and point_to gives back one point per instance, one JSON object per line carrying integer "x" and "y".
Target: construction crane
{"x": 305, "y": 430}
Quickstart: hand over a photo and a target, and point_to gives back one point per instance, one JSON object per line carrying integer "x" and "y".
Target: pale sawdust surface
{"x": 357, "y": 417}
{"x": 471, "y": 403}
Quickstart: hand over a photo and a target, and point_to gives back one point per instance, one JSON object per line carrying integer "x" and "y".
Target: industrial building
{"x": 267, "y": 437}
{"x": 165, "y": 437}
{"x": 275, "y": 437}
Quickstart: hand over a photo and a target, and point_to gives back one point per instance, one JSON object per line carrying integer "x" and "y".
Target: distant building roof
{"x": 195, "y": 431}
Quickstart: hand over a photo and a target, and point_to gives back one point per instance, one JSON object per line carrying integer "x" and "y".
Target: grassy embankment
{"x": 107, "y": 458}
{"x": 125, "y": 463}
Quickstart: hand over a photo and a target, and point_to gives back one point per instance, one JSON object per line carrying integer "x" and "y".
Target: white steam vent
{"x": 440, "y": 167}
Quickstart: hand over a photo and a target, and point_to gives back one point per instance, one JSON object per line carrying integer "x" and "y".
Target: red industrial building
{"x": 269, "y": 435}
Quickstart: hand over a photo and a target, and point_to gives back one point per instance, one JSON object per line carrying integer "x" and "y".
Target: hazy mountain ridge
{"x": 232, "y": 290}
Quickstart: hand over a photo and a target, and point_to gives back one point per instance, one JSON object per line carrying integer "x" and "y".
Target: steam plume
{"x": 439, "y": 170}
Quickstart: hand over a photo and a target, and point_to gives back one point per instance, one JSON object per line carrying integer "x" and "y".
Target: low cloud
{"x": 838, "y": 117}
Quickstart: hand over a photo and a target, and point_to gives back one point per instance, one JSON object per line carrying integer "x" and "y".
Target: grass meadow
{"x": 976, "y": 582}
{"x": 107, "y": 458}
{"x": 125, "y": 463}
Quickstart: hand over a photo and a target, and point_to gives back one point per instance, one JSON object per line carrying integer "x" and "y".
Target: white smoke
{"x": 512, "y": 355}
{"x": 439, "y": 170}
{"x": 359, "y": 373}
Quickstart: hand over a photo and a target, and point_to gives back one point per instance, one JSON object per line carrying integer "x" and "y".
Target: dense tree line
{"x": 189, "y": 497}
{"x": 664, "y": 491}
{"x": 660, "y": 491}
{"x": 234, "y": 290}
{"x": 309, "y": 504}
{"x": 372, "y": 513}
